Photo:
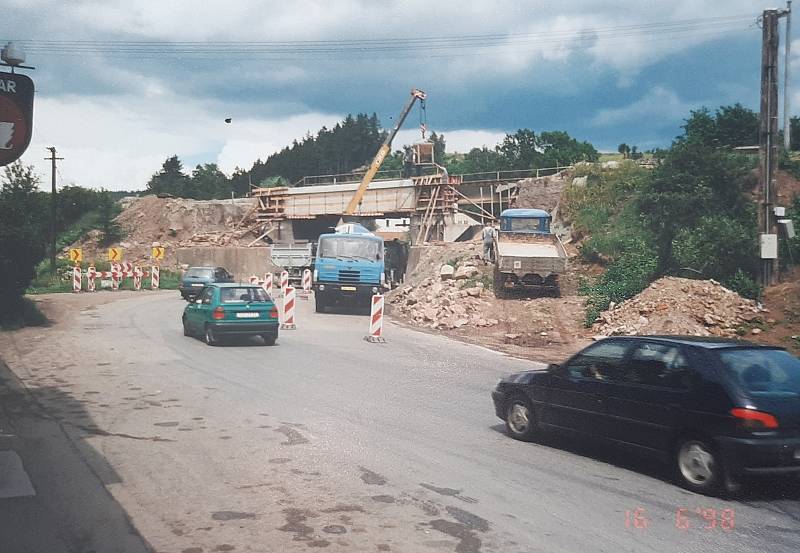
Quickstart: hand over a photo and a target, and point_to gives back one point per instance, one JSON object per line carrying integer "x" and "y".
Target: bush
{"x": 625, "y": 277}
{"x": 744, "y": 285}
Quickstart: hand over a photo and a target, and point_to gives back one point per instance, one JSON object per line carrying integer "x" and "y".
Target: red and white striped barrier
{"x": 116, "y": 271}
{"x": 76, "y": 278}
{"x": 253, "y": 279}
{"x": 376, "y": 320}
{"x": 267, "y": 284}
{"x": 306, "y": 281}
{"x": 91, "y": 274}
{"x": 137, "y": 278}
{"x": 288, "y": 309}
{"x": 284, "y": 282}
{"x": 155, "y": 277}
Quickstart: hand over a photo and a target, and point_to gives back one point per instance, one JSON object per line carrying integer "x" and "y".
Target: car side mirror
{"x": 553, "y": 367}
{"x": 198, "y": 302}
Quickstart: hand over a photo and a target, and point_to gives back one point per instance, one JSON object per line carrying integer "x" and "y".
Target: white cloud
{"x": 659, "y": 105}
{"x": 457, "y": 140}
{"x": 119, "y": 142}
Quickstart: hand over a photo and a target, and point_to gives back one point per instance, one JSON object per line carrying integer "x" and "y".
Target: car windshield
{"x": 242, "y": 295}
{"x": 764, "y": 372}
{"x": 350, "y": 248}
{"x": 200, "y": 272}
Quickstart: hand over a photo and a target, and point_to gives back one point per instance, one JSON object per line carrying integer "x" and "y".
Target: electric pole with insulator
{"x": 53, "y": 205}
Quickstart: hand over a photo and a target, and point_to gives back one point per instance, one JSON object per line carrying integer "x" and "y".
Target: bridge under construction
{"x": 439, "y": 206}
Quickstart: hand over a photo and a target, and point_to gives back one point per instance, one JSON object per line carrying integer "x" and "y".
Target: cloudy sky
{"x": 122, "y": 84}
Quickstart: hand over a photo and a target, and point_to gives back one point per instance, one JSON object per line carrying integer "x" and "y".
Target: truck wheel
{"x": 319, "y": 304}
{"x": 499, "y": 291}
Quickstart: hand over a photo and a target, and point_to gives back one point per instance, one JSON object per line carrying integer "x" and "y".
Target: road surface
{"x": 327, "y": 442}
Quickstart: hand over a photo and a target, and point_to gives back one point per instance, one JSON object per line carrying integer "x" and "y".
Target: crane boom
{"x": 383, "y": 151}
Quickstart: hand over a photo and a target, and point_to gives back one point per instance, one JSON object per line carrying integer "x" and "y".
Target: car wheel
{"x": 269, "y": 339}
{"x": 520, "y": 419}
{"x": 698, "y": 465}
{"x": 210, "y": 339}
{"x": 186, "y": 330}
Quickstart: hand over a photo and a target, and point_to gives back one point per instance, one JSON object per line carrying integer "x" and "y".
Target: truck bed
{"x": 526, "y": 249}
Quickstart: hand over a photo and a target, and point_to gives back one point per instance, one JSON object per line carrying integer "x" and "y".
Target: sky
{"x": 123, "y": 84}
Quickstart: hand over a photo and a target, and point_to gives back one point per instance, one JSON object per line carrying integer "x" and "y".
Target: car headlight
{"x": 374, "y": 289}
{"x": 321, "y": 287}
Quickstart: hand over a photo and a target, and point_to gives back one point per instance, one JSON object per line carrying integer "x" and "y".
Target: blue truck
{"x": 349, "y": 268}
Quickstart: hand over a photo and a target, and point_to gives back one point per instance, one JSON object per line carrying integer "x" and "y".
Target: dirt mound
{"x": 542, "y": 192}
{"x": 450, "y": 290}
{"x": 173, "y": 223}
{"x": 673, "y": 305}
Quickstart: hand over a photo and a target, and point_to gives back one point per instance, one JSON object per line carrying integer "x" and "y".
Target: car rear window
{"x": 242, "y": 295}
{"x": 764, "y": 372}
{"x": 200, "y": 272}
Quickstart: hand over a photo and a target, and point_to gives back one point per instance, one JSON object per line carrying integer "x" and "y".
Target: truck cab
{"x": 528, "y": 256}
{"x": 349, "y": 268}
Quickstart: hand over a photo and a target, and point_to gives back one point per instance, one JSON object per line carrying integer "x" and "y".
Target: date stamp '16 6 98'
{"x": 686, "y": 518}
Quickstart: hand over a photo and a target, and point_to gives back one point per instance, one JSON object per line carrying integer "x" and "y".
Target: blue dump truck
{"x": 349, "y": 268}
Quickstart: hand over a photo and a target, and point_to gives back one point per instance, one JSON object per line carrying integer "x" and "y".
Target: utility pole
{"x": 787, "y": 54}
{"x": 53, "y": 200}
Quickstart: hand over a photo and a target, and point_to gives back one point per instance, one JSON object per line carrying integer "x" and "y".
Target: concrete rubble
{"x": 674, "y": 305}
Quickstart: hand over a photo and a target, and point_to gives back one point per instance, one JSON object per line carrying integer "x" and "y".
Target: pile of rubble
{"x": 174, "y": 223}
{"x": 673, "y": 305}
{"x": 454, "y": 299}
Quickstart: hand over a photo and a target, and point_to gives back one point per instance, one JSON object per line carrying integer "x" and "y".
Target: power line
{"x": 324, "y": 49}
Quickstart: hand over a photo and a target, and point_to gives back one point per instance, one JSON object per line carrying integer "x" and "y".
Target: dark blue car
{"x": 197, "y": 278}
{"x": 714, "y": 409}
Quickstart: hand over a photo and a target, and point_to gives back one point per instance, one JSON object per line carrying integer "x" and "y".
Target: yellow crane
{"x": 383, "y": 151}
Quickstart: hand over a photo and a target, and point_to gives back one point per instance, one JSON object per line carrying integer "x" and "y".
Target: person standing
{"x": 488, "y": 243}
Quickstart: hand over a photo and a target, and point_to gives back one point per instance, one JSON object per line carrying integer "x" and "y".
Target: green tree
{"x": 207, "y": 183}
{"x": 559, "y": 148}
{"x": 694, "y": 181}
{"x": 730, "y": 126}
{"x": 170, "y": 180}
{"x": 624, "y": 149}
{"x": 107, "y": 212}
{"x": 23, "y": 231}
{"x": 439, "y": 147}
{"x": 519, "y": 150}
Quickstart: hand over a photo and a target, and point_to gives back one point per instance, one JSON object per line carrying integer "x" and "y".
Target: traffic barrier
{"x": 137, "y": 278}
{"x": 253, "y": 279}
{"x": 115, "y": 276}
{"x": 76, "y": 278}
{"x": 284, "y": 282}
{"x": 376, "y": 320}
{"x": 288, "y": 309}
{"x": 306, "y": 282}
{"x": 155, "y": 277}
{"x": 91, "y": 274}
{"x": 267, "y": 285}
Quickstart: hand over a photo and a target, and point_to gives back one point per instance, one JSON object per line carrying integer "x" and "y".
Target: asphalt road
{"x": 328, "y": 442}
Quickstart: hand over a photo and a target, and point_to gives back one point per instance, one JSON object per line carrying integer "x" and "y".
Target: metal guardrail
{"x": 315, "y": 180}
{"x": 390, "y": 174}
{"x": 513, "y": 174}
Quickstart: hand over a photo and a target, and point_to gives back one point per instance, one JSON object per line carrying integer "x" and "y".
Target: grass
{"x": 46, "y": 284}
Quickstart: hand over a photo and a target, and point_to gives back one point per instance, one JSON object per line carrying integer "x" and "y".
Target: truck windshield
{"x": 764, "y": 372}
{"x": 518, "y": 224}
{"x": 350, "y": 248}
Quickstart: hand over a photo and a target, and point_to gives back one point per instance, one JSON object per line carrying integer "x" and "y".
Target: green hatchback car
{"x": 224, "y": 309}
